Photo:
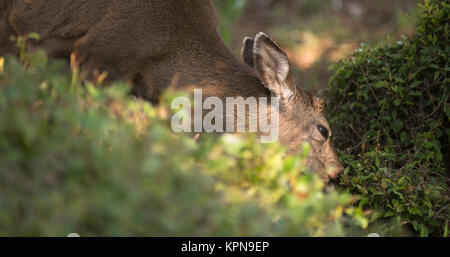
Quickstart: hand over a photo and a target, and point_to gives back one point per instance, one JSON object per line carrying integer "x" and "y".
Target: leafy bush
{"x": 390, "y": 112}
{"x": 79, "y": 157}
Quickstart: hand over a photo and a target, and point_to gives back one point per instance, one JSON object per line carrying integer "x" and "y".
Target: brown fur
{"x": 151, "y": 42}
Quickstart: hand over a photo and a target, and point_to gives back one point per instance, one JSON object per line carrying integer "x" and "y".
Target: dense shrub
{"x": 79, "y": 157}
{"x": 390, "y": 111}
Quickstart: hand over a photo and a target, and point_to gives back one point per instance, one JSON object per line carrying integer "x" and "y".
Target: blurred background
{"x": 316, "y": 33}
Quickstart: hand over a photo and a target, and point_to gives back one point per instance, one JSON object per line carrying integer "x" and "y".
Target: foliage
{"x": 230, "y": 11}
{"x": 390, "y": 113}
{"x": 76, "y": 156}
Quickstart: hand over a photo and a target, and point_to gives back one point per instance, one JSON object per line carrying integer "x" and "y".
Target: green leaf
{"x": 436, "y": 75}
{"x": 415, "y": 84}
{"x": 380, "y": 84}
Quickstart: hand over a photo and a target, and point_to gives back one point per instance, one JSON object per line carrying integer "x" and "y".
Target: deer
{"x": 149, "y": 43}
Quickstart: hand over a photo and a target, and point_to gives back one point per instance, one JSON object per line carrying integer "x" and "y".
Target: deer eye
{"x": 323, "y": 131}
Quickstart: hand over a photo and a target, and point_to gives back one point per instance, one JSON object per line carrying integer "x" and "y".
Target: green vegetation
{"x": 80, "y": 157}
{"x": 390, "y": 112}
{"x": 229, "y": 11}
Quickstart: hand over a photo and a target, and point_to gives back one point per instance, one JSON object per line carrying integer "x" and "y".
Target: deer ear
{"x": 247, "y": 52}
{"x": 272, "y": 65}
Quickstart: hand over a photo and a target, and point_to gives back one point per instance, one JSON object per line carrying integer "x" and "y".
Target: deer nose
{"x": 335, "y": 171}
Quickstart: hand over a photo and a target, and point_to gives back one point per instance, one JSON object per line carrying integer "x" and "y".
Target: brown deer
{"x": 149, "y": 43}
